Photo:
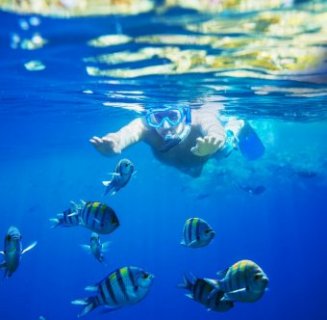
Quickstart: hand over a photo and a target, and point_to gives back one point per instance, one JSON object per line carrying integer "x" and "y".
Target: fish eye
{"x": 145, "y": 275}
{"x": 207, "y": 231}
{"x": 257, "y": 277}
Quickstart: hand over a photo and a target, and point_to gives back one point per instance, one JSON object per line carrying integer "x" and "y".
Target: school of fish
{"x": 243, "y": 281}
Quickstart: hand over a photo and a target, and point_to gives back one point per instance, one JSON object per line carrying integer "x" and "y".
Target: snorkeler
{"x": 182, "y": 137}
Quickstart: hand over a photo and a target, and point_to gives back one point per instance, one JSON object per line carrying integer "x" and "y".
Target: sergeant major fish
{"x": 96, "y": 247}
{"x": 125, "y": 286}
{"x": 200, "y": 289}
{"x": 123, "y": 173}
{"x": 197, "y": 233}
{"x": 68, "y": 218}
{"x": 244, "y": 281}
{"x": 13, "y": 251}
{"x": 98, "y": 217}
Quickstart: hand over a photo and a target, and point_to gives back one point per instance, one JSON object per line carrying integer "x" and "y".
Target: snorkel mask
{"x": 174, "y": 116}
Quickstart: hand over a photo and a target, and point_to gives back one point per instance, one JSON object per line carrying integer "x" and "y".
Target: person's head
{"x": 169, "y": 121}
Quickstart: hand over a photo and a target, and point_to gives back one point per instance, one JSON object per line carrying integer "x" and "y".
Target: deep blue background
{"x": 46, "y": 161}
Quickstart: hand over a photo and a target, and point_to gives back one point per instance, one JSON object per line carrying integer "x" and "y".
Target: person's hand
{"x": 107, "y": 145}
{"x": 207, "y": 145}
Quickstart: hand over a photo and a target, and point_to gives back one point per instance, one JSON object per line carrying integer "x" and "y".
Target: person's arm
{"x": 213, "y": 133}
{"x": 114, "y": 143}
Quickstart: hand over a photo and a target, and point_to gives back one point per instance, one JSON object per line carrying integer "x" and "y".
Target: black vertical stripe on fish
{"x": 246, "y": 278}
{"x": 131, "y": 278}
{"x": 197, "y": 230}
{"x": 230, "y": 280}
{"x": 103, "y": 215}
{"x": 96, "y": 211}
{"x": 238, "y": 278}
{"x": 122, "y": 284}
{"x": 86, "y": 212}
{"x": 102, "y": 296}
{"x": 203, "y": 291}
{"x": 196, "y": 289}
{"x": 190, "y": 230}
{"x": 110, "y": 290}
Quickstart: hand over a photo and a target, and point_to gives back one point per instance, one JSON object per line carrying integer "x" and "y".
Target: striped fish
{"x": 98, "y": 217}
{"x": 197, "y": 233}
{"x": 96, "y": 247}
{"x": 200, "y": 291}
{"x": 13, "y": 251}
{"x": 124, "y": 286}
{"x": 68, "y": 218}
{"x": 123, "y": 173}
{"x": 244, "y": 281}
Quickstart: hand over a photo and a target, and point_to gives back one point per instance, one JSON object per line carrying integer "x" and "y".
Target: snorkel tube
{"x": 174, "y": 140}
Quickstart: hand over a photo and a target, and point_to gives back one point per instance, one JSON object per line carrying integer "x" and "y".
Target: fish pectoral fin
{"x": 130, "y": 290}
{"x": 193, "y": 243}
{"x": 86, "y": 247}
{"x": 114, "y": 174}
{"x": 106, "y": 183}
{"x": 73, "y": 214}
{"x": 183, "y": 243}
{"x": 231, "y": 293}
{"x": 189, "y": 295}
{"x": 30, "y": 247}
{"x": 97, "y": 221}
{"x": 1, "y": 252}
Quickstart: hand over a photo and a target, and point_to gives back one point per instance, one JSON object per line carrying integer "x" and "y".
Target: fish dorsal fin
{"x": 105, "y": 246}
{"x": 221, "y": 274}
{"x": 212, "y": 282}
{"x": 30, "y": 247}
{"x": 92, "y": 288}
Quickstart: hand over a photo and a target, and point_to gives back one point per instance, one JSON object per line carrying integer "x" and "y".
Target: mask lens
{"x": 156, "y": 118}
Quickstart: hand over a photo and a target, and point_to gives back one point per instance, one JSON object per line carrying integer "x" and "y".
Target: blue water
{"x": 46, "y": 161}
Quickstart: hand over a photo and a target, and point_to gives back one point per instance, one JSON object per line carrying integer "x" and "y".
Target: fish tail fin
{"x": 3, "y": 265}
{"x": 109, "y": 186}
{"x": 90, "y": 304}
{"x": 249, "y": 143}
{"x": 187, "y": 282}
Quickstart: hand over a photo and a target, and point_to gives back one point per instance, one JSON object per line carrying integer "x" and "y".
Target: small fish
{"x": 200, "y": 290}
{"x": 68, "y": 218}
{"x": 124, "y": 286}
{"x": 13, "y": 251}
{"x": 244, "y": 281}
{"x": 197, "y": 233}
{"x": 123, "y": 173}
{"x": 96, "y": 247}
{"x": 98, "y": 217}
